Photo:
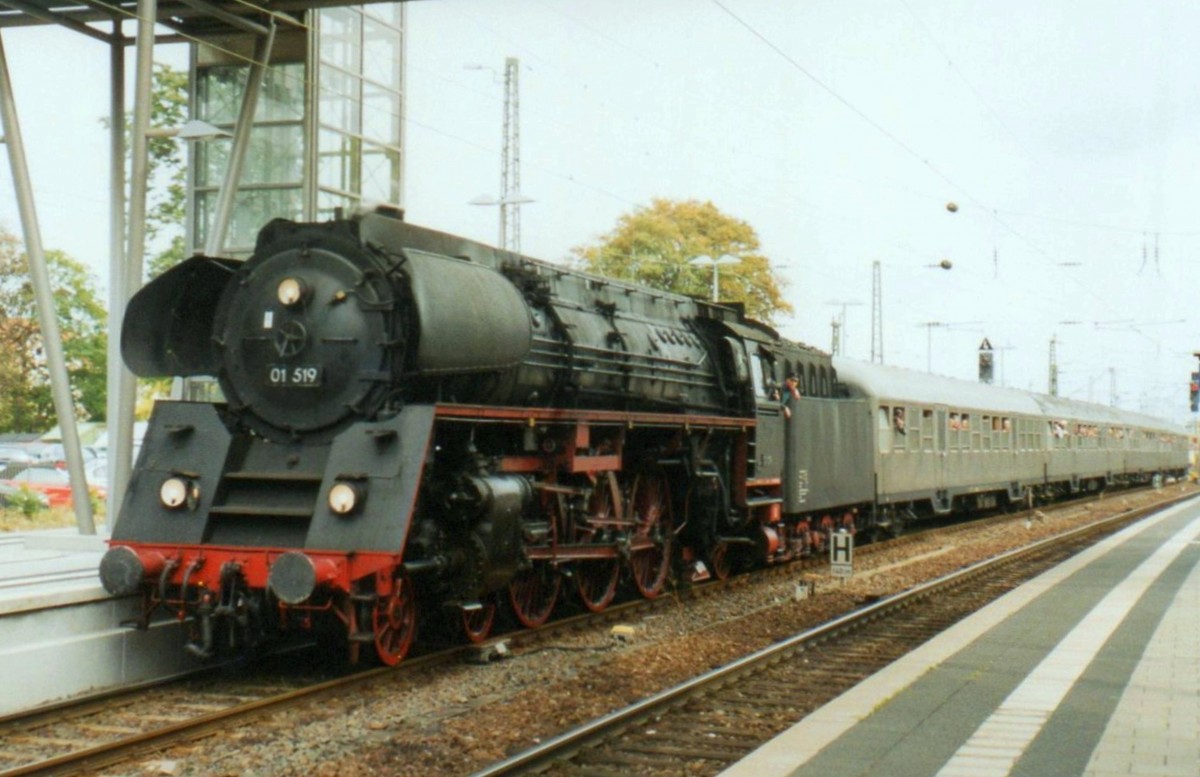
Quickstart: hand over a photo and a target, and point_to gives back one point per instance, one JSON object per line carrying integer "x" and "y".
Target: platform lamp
{"x": 704, "y": 260}
{"x": 194, "y": 129}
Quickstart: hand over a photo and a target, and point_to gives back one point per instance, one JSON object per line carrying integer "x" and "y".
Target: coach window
{"x": 985, "y": 425}
{"x": 1058, "y": 433}
{"x": 970, "y": 433}
{"x": 927, "y": 430}
{"x": 899, "y": 428}
{"x": 885, "y": 428}
{"x": 955, "y": 424}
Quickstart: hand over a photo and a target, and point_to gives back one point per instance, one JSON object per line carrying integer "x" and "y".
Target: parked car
{"x": 57, "y": 453}
{"x": 55, "y": 483}
{"x": 14, "y": 454}
{"x": 96, "y": 471}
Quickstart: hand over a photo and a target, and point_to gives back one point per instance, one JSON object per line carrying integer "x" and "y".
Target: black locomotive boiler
{"x": 416, "y": 424}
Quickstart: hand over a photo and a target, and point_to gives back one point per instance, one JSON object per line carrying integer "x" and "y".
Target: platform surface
{"x": 62, "y": 634}
{"x": 49, "y": 568}
{"x": 1091, "y": 669}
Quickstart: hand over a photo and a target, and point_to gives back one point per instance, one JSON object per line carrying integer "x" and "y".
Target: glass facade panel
{"x": 380, "y": 114}
{"x": 340, "y": 101}
{"x": 327, "y": 201}
{"x": 360, "y": 102}
{"x": 381, "y": 54}
{"x": 338, "y": 161}
{"x": 219, "y": 93}
{"x": 388, "y": 13}
{"x": 275, "y": 155}
{"x": 380, "y": 173}
{"x": 282, "y": 95}
{"x": 341, "y": 38}
{"x": 252, "y": 208}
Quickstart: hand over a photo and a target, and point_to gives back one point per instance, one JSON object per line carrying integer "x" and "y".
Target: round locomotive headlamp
{"x": 290, "y": 291}
{"x": 173, "y": 493}
{"x": 344, "y": 498}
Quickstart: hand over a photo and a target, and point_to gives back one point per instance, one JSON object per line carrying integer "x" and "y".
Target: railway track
{"x": 712, "y": 721}
{"x": 98, "y": 732}
{"x": 105, "y": 729}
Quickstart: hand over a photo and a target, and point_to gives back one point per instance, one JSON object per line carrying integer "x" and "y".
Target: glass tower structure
{"x": 328, "y": 130}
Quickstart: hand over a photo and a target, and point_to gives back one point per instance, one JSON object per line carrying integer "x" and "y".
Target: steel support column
{"x": 60, "y": 387}
{"x": 116, "y": 264}
{"x": 121, "y": 444}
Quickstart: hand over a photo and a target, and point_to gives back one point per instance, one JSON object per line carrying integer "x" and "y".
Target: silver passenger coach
{"x": 941, "y": 442}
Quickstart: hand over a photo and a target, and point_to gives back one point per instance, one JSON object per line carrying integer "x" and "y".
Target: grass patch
{"x": 13, "y": 520}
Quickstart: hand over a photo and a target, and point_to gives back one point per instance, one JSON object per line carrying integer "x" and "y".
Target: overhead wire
{"x": 907, "y": 148}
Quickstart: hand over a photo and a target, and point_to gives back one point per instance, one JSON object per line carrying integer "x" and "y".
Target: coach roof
{"x": 895, "y": 384}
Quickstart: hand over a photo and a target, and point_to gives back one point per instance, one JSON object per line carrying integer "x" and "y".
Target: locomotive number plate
{"x": 298, "y": 376}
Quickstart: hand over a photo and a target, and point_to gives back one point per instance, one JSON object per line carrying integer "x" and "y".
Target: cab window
{"x": 764, "y": 376}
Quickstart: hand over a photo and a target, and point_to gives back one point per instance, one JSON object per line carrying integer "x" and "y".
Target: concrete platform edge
{"x": 797, "y": 745}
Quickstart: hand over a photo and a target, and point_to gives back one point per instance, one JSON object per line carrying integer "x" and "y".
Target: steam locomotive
{"x": 417, "y": 425}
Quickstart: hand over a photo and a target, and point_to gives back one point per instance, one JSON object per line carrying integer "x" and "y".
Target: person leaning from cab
{"x": 791, "y": 394}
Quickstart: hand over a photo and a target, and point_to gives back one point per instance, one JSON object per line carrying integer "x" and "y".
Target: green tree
{"x": 653, "y": 245}
{"x": 82, "y": 320}
{"x": 166, "y": 211}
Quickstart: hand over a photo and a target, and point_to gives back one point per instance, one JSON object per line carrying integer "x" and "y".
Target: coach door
{"x": 940, "y": 448}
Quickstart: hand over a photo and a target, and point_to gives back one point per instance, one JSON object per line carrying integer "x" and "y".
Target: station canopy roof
{"x": 188, "y": 18}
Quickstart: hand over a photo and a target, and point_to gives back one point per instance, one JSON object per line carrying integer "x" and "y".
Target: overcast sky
{"x": 1065, "y": 132}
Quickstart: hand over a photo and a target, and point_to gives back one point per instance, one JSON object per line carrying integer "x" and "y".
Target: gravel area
{"x": 452, "y": 721}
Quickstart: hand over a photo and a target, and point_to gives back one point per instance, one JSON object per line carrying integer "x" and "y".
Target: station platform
{"x": 1091, "y": 669}
{"x": 61, "y": 632}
